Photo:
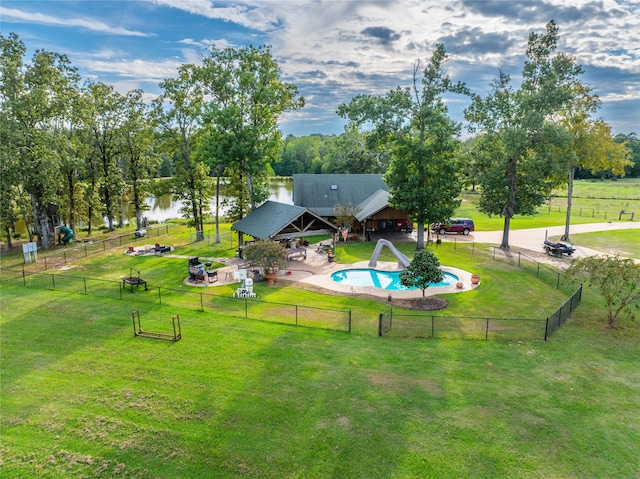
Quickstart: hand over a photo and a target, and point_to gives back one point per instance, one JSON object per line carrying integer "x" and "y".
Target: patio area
{"x": 315, "y": 271}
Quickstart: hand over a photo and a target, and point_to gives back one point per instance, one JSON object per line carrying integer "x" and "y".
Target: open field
{"x": 82, "y": 397}
{"x": 594, "y": 201}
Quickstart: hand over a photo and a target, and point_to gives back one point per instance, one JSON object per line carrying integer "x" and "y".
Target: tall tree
{"x": 12, "y": 52}
{"x": 592, "y": 147}
{"x": 102, "y": 168}
{"x": 519, "y": 129}
{"x": 178, "y": 112}
{"x": 633, "y": 145}
{"x": 245, "y": 99}
{"x": 35, "y": 103}
{"x": 414, "y": 123}
{"x": 138, "y": 152}
{"x": 73, "y": 152}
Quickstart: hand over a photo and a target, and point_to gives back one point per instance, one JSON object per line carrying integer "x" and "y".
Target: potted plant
{"x": 268, "y": 256}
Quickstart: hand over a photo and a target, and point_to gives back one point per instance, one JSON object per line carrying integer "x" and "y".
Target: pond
{"x": 162, "y": 208}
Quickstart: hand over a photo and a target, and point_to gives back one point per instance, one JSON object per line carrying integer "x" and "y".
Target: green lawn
{"x": 622, "y": 242}
{"x": 82, "y": 397}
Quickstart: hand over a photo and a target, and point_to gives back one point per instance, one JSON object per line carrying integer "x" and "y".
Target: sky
{"x": 333, "y": 50}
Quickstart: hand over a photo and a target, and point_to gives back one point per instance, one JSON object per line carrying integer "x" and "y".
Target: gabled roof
{"x": 372, "y": 205}
{"x": 272, "y": 219}
{"x": 320, "y": 193}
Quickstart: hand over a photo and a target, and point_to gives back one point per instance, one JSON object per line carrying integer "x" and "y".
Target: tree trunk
{"x": 252, "y": 200}
{"x": 9, "y": 245}
{"x": 217, "y": 240}
{"x": 72, "y": 203}
{"x": 420, "y": 242}
{"x": 510, "y": 208}
{"x": 505, "y": 233}
{"x": 567, "y": 224}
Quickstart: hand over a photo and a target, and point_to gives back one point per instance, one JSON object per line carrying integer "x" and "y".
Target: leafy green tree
{"x": 266, "y": 255}
{"x": 633, "y": 145}
{"x": 138, "y": 132}
{"x": 178, "y": 112}
{"x": 414, "y": 124}
{"x": 12, "y": 51}
{"x": 73, "y": 152}
{"x": 592, "y": 147}
{"x": 519, "y": 129}
{"x": 345, "y": 215}
{"x": 423, "y": 270}
{"x": 245, "y": 97}
{"x": 298, "y": 154}
{"x": 617, "y": 279}
{"x": 35, "y": 104}
{"x": 102, "y": 167}
{"x": 356, "y": 152}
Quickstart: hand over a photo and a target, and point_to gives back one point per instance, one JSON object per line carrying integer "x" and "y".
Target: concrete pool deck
{"x": 316, "y": 271}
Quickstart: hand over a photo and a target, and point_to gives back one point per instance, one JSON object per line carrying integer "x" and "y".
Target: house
{"x": 368, "y": 193}
{"x": 313, "y": 212}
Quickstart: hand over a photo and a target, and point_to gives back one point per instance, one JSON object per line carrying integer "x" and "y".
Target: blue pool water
{"x": 382, "y": 279}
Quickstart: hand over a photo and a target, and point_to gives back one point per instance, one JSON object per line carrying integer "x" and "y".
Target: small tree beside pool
{"x": 423, "y": 270}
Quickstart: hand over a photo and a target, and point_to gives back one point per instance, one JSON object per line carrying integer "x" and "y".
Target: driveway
{"x": 533, "y": 238}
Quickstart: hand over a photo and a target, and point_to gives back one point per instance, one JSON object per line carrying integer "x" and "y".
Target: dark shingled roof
{"x": 321, "y": 193}
{"x": 271, "y": 218}
{"x": 372, "y": 205}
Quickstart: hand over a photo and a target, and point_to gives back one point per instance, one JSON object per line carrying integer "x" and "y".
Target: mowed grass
{"x": 594, "y": 201}
{"x": 82, "y": 397}
{"x": 622, "y": 242}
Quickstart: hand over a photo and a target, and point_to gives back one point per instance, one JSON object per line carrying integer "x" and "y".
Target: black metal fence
{"x": 551, "y": 274}
{"x": 248, "y": 308}
{"x": 425, "y": 325}
{"x": 556, "y": 320}
{"x": 55, "y": 257}
{"x": 430, "y": 325}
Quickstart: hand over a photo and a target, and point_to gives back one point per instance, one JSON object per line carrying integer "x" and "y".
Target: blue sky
{"x": 333, "y": 50}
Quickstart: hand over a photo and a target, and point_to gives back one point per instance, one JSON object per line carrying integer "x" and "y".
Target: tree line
{"x": 77, "y": 147}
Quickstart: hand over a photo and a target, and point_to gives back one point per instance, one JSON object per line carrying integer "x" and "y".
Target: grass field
{"x": 82, "y": 397}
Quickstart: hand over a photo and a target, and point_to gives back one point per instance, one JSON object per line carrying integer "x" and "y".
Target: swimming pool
{"x": 389, "y": 280}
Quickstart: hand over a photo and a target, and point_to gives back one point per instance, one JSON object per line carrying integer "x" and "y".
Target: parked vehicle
{"x": 454, "y": 225}
{"x": 404, "y": 226}
{"x": 558, "y": 248}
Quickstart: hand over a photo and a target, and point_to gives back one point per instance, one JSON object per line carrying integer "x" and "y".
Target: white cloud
{"x": 206, "y": 43}
{"x": 253, "y": 15}
{"x": 141, "y": 70}
{"x": 11, "y": 15}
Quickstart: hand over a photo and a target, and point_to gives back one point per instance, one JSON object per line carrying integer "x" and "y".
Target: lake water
{"x": 164, "y": 207}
